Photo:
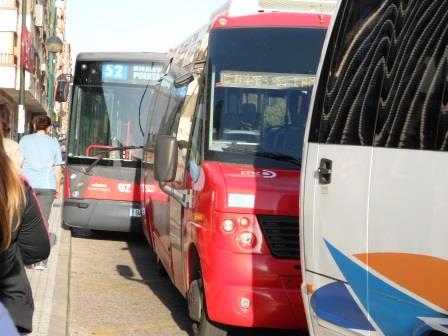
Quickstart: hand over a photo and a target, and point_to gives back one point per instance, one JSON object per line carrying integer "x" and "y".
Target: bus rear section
{"x": 374, "y": 186}
{"x": 231, "y": 242}
{"x": 111, "y": 97}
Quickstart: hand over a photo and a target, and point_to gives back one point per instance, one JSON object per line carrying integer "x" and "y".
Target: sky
{"x": 133, "y": 25}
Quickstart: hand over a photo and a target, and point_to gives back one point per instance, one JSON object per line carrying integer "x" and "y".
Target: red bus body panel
{"x": 230, "y": 273}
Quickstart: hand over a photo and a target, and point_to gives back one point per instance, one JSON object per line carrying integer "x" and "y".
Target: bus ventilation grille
{"x": 282, "y": 235}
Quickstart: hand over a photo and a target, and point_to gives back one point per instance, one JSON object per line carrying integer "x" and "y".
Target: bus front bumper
{"x": 102, "y": 215}
{"x": 256, "y": 291}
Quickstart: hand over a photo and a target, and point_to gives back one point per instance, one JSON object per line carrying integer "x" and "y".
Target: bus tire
{"x": 202, "y": 327}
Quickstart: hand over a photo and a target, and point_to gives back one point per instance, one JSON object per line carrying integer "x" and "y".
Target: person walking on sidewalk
{"x": 24, "y": 240}
{"x": 42, "y": 166}
{"x": 12, "y": 148}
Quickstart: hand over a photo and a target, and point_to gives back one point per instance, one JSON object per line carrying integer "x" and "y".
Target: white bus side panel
{"x": 335, "y": 214}
{"x": 408, "y": 233}
{"x": 409, "y": 202}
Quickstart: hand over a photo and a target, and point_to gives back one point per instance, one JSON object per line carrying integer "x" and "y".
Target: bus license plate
{"x": 135, "y": 212}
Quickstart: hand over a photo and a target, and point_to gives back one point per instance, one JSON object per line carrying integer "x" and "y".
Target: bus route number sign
{"x": 115, "y": 72}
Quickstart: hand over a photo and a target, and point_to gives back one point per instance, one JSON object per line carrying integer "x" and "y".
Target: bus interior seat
{"x": 287, "y": 139}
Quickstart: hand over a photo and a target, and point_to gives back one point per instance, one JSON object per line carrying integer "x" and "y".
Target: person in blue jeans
{"x": 42, "y": 166}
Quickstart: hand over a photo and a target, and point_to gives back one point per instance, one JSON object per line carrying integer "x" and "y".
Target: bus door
{"x": 335, "y": 201}
{"x": 183, "y": 180}
{"x": 155, "y": 201}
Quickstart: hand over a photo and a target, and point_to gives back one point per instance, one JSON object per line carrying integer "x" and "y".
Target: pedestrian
{"x": 42, "y": 166}
{"x": 24, "y": 240}
{"x": 12, "y": 148}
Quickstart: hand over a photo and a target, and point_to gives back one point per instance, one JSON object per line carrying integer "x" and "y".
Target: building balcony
{"x": 35, "y": 94}
{"x": 8, "y": 4}
{"x": 7, "y": 59}
{"x": 7, "y": 71}
{"x": 8, "y": 18}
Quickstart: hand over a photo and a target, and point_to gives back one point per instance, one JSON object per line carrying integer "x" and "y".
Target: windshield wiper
{"x": 107, "y": 151}
{"x": 275, "y": 156}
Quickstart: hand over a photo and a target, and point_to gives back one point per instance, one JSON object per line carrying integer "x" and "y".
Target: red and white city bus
{"x": 226, "y": 228}
{"x": 109, "y": 110}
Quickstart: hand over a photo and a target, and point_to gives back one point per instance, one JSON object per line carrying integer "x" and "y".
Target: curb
{"x": 59, "y": 312}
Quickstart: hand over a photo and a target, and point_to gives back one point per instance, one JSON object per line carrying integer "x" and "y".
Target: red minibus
{"x": 224, "y": 223}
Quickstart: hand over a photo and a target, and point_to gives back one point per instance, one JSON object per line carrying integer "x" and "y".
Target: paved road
{"x": 115, "y": 289}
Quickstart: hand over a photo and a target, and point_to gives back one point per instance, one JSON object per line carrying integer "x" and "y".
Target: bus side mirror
{"x": 165, "y": 159}
{"x": 62, "y": 88}
{"x": 183, "y": 80}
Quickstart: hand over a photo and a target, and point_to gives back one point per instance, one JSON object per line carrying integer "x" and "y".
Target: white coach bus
{"x": 374, "y": 235}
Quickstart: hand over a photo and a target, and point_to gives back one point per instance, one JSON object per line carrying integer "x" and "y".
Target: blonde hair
{"x": 12, "y": 197}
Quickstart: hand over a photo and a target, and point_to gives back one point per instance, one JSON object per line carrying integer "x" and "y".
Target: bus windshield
{"x": 106, "y": 117}
{"x": 261, "y": 83}
{"x": 110, "y": 110}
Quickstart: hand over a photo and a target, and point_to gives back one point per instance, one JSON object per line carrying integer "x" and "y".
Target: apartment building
{"x": 26, "y": 47}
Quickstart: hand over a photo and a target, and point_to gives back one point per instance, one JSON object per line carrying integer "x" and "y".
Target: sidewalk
{"x": 50, "y": 287}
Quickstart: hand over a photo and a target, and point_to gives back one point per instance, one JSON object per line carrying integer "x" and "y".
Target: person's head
{"x": 11, "y": 197}
{"x": 5, "y": 118}
{"x": 42, "y": 123}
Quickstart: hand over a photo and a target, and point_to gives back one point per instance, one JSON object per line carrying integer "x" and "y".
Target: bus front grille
{"x": 282, "y": 235}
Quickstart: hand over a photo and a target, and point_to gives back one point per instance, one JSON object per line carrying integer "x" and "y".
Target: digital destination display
{"x": 264, "y": 80}
{"x": 131, "y": 73}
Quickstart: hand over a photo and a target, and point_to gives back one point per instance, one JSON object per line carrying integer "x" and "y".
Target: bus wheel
{"x": 198, "y": 313}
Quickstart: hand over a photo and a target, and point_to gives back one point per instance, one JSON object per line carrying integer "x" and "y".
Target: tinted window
{"x": 261, "y": 82}
{"x": 384, "y": 79}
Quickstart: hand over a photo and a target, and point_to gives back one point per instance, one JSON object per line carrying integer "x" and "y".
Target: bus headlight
{"x": 228, "y": 225}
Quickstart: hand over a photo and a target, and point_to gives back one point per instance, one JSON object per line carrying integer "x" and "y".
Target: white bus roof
{"x": 122, "y": 56}
{"x": 248, "y": 7}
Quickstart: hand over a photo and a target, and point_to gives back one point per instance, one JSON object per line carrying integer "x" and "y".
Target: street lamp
{"x": 54, "y": 44}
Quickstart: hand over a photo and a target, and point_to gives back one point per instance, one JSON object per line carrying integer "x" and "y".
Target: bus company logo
{"x": 267, "y": 174}
{"x": 124, "y": 187}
